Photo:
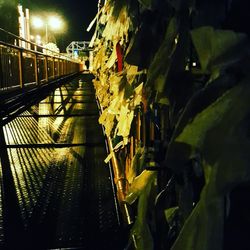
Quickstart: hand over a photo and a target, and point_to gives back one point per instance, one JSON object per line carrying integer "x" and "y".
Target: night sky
{"x": 77, "y": 13}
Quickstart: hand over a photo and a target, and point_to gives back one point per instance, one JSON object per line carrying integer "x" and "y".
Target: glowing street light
{"x": 52, "y": 22}
{"x": 37, "y": 22}
{"x": 55, "y": 22}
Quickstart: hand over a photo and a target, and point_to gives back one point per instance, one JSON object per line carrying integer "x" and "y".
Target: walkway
{"x": 62, "y": 194}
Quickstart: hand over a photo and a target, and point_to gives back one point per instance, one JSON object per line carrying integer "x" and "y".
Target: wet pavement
{"x": 60, "y": 192}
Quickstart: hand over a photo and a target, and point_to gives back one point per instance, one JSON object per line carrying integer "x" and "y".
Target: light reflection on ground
{"x": 50, "y": 182}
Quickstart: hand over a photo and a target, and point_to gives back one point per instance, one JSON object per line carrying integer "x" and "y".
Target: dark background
{"x": 77, "y": 15}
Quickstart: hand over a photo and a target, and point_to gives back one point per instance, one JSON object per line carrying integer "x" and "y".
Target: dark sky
{"x": 77, "y": 13}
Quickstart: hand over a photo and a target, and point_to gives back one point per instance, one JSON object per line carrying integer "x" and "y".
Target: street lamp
{"x": 52, "y": 22}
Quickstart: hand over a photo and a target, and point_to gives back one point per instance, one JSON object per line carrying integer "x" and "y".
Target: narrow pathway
{"x": 64, "y": 188}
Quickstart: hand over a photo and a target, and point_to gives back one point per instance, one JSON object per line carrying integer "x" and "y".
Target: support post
{"x": 53, "y": 67}
{"x": 46, "y": 68}
{"x": 20, "y": 68}
{"x": 36, "y": 69}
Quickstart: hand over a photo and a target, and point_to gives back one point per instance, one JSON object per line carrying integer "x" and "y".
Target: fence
{"x": 20, "y": 67}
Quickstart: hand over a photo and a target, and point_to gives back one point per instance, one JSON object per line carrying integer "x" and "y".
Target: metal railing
{"x": 20, "y": 67}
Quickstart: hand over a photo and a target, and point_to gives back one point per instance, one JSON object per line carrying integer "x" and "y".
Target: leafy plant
{"x": 197, "y": 74}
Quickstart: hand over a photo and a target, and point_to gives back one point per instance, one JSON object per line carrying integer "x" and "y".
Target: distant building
{"x": 24, "y": 26}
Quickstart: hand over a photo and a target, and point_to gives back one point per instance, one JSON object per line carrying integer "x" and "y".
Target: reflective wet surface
{"x": 58, "y": 189}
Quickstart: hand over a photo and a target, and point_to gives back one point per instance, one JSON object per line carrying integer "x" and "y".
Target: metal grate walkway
{"x": 63, "y": 189}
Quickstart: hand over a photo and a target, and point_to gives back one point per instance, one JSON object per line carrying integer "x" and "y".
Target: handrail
{"x": 30, "y": 50}
{"x": 20, "y": 67}
{"x": 31, "y": 43}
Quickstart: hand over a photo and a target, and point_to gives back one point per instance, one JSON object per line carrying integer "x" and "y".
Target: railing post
{"x": 20, "y": 67}
{"x": 62, "y": 71}
{"x": 58, "y": 68}
{"x": 46, "y": 68}
{"x": 36, "y": 69}
{"x": 53, "y": 67}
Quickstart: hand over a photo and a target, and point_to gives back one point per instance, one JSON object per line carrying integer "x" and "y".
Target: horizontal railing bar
{"x": 31, "y": 43}
{"x": 30, "y": 51}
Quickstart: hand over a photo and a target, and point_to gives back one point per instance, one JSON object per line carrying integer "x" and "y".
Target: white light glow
{"x": 54, "y": 22}
{"x": 37, "y": 22}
